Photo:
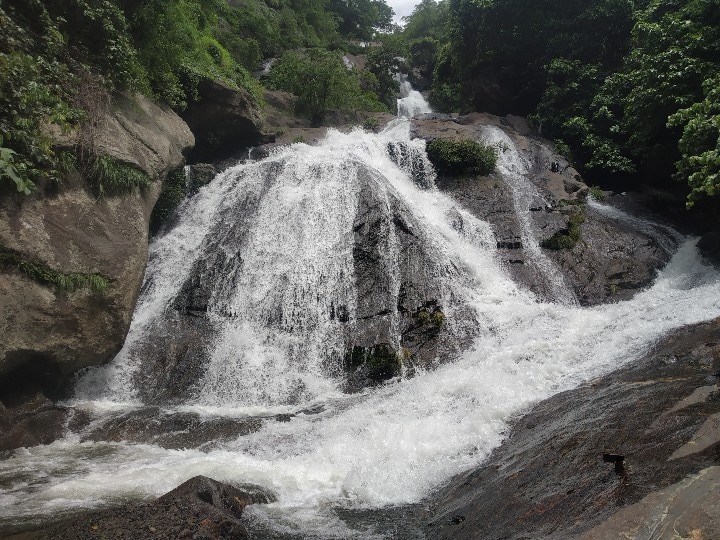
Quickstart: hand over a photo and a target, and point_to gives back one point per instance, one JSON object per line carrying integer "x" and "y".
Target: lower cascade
{"x": 240, "y": 361}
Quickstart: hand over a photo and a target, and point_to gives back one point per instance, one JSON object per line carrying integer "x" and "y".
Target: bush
{"x": 454, "y": 157}
{"x": 321, "y": 82}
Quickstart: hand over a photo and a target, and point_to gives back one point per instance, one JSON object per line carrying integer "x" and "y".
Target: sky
{"x": 402, "y": 8}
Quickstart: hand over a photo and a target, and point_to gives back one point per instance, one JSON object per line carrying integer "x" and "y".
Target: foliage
{"x": 453, "y": 157}
{"x": 64, "y": 282}
{"x": 34, "y": 91}
{"x": 322, "y": 82}
{"x": 384, "y": 63}
{"x": 597, "y": 193}
{"x": 106, "y": 176}
{"x": 700, "y": 142}
{"x": 360, "y": 19}
{"x": 630, "y": 86}
{"x": 567, "y": 237}
{"x": 172, "y": 194}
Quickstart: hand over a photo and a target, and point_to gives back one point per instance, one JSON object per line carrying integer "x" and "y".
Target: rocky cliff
{"x": 50, "y": 331}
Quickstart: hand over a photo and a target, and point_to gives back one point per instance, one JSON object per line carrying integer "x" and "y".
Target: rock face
{"x": 223, "y": 120}
{"x": 612, "y": 258}
{"x": 551, "y": 477}
{"x": 398, "y": 286}
{"x": 48, "y": 334}
{"x": 201, "y": 508}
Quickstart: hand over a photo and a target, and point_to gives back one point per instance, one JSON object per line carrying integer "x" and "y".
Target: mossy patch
{"x": 172, "y": 194}
{"x": 567, "y": 238}
{"x": 41, "y": 273}
{"x": 381, "y": 361}
{"x": 454, "y": 157}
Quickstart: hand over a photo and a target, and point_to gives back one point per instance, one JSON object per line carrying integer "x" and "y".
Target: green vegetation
{"x": 50, "y": 49}
{"x": 322, "y": 82}
{"x": 171, "y": 196}
{"x": 454, "y": 157}
{"x": 632, "y": 87}
{"x": 597, "y": 193}
{"x": 380, "y": 361}
{"x": 63, "y": 282}
{"x": 567, "y": 238}
{"x": 107, "y": 176}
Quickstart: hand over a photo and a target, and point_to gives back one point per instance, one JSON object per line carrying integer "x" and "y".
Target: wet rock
{"x": 201, "y": 509}
{"x": 174, "y": 430}
{"x": 709, "y": 246}
{"x": 602, "y": 259}
{"x": 367, "y": 365}
{"x": 30, "y": 423}
{"x": 687, "y": 509}
{"x": 549, "y": 478}
{"x": 199, "y": 175}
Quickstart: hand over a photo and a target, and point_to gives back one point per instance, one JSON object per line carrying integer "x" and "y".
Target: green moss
{"x": 455, "y": 157}
{"x": 567, "y": 238}
{"x": 172, "y": 195}
{"x": 381, "y": 361}
{"x": 107, "y": 176}
{"x": 64, "y": 282}
{"x": 597, "y": 193}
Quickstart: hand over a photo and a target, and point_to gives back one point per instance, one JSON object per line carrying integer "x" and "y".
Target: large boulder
{"x": 49, "y": 333}
{"x": 224, "y": 120}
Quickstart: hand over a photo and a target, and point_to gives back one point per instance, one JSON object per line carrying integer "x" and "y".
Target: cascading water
{"x": 515, "y": 169}
{"x": 411, "y": 102}
{"x": 266, "y": 256}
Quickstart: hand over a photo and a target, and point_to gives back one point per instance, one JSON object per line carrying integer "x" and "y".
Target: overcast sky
{"x": 402, "y": 8}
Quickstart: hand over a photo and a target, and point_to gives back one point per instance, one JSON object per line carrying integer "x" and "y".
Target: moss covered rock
{"x": 455, "y": 157}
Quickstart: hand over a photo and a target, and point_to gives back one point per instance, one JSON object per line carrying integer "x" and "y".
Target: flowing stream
{"x": 282, "y": 234}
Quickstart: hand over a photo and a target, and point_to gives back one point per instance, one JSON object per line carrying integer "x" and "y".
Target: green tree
{"x": 321, "y": 82}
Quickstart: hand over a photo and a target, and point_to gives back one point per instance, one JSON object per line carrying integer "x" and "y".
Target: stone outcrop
{"x": 554, "y": 476}
{"x": 200, "y": 508}
{"x": 47, "y": 333}
{"x": 223, "y": 120}
{"x": 611, "y": 260}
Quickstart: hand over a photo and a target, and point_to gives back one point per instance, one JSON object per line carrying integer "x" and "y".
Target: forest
{"x": 629, "y": 89}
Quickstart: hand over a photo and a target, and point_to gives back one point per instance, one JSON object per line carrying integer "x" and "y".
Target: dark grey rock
{"x": 222, "y": 120}
{"x": 48, "y": 334}
{"x": 549, "y": 478}
{"x": 199, "y": 175}
{"x": 201, "y": 508}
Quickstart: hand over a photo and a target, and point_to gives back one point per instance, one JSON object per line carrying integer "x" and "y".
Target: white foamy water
{"x": 515, "y": 168}
{"x": 387, "y": 446}
{"x": 411, "y": 102}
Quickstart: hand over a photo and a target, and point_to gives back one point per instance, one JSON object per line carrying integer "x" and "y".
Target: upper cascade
{"x": 411, "y": 103}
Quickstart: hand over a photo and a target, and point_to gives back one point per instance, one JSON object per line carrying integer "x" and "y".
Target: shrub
{"x": 321, "y": 82}
{"x": 455, "y": 157}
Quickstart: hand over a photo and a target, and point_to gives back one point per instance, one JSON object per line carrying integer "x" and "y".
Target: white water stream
{"x": 387, "y": 446}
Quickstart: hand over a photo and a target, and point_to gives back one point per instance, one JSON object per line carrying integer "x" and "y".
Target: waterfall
{"x": 411, "y": 102}
{"x": 271, "y": 273}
